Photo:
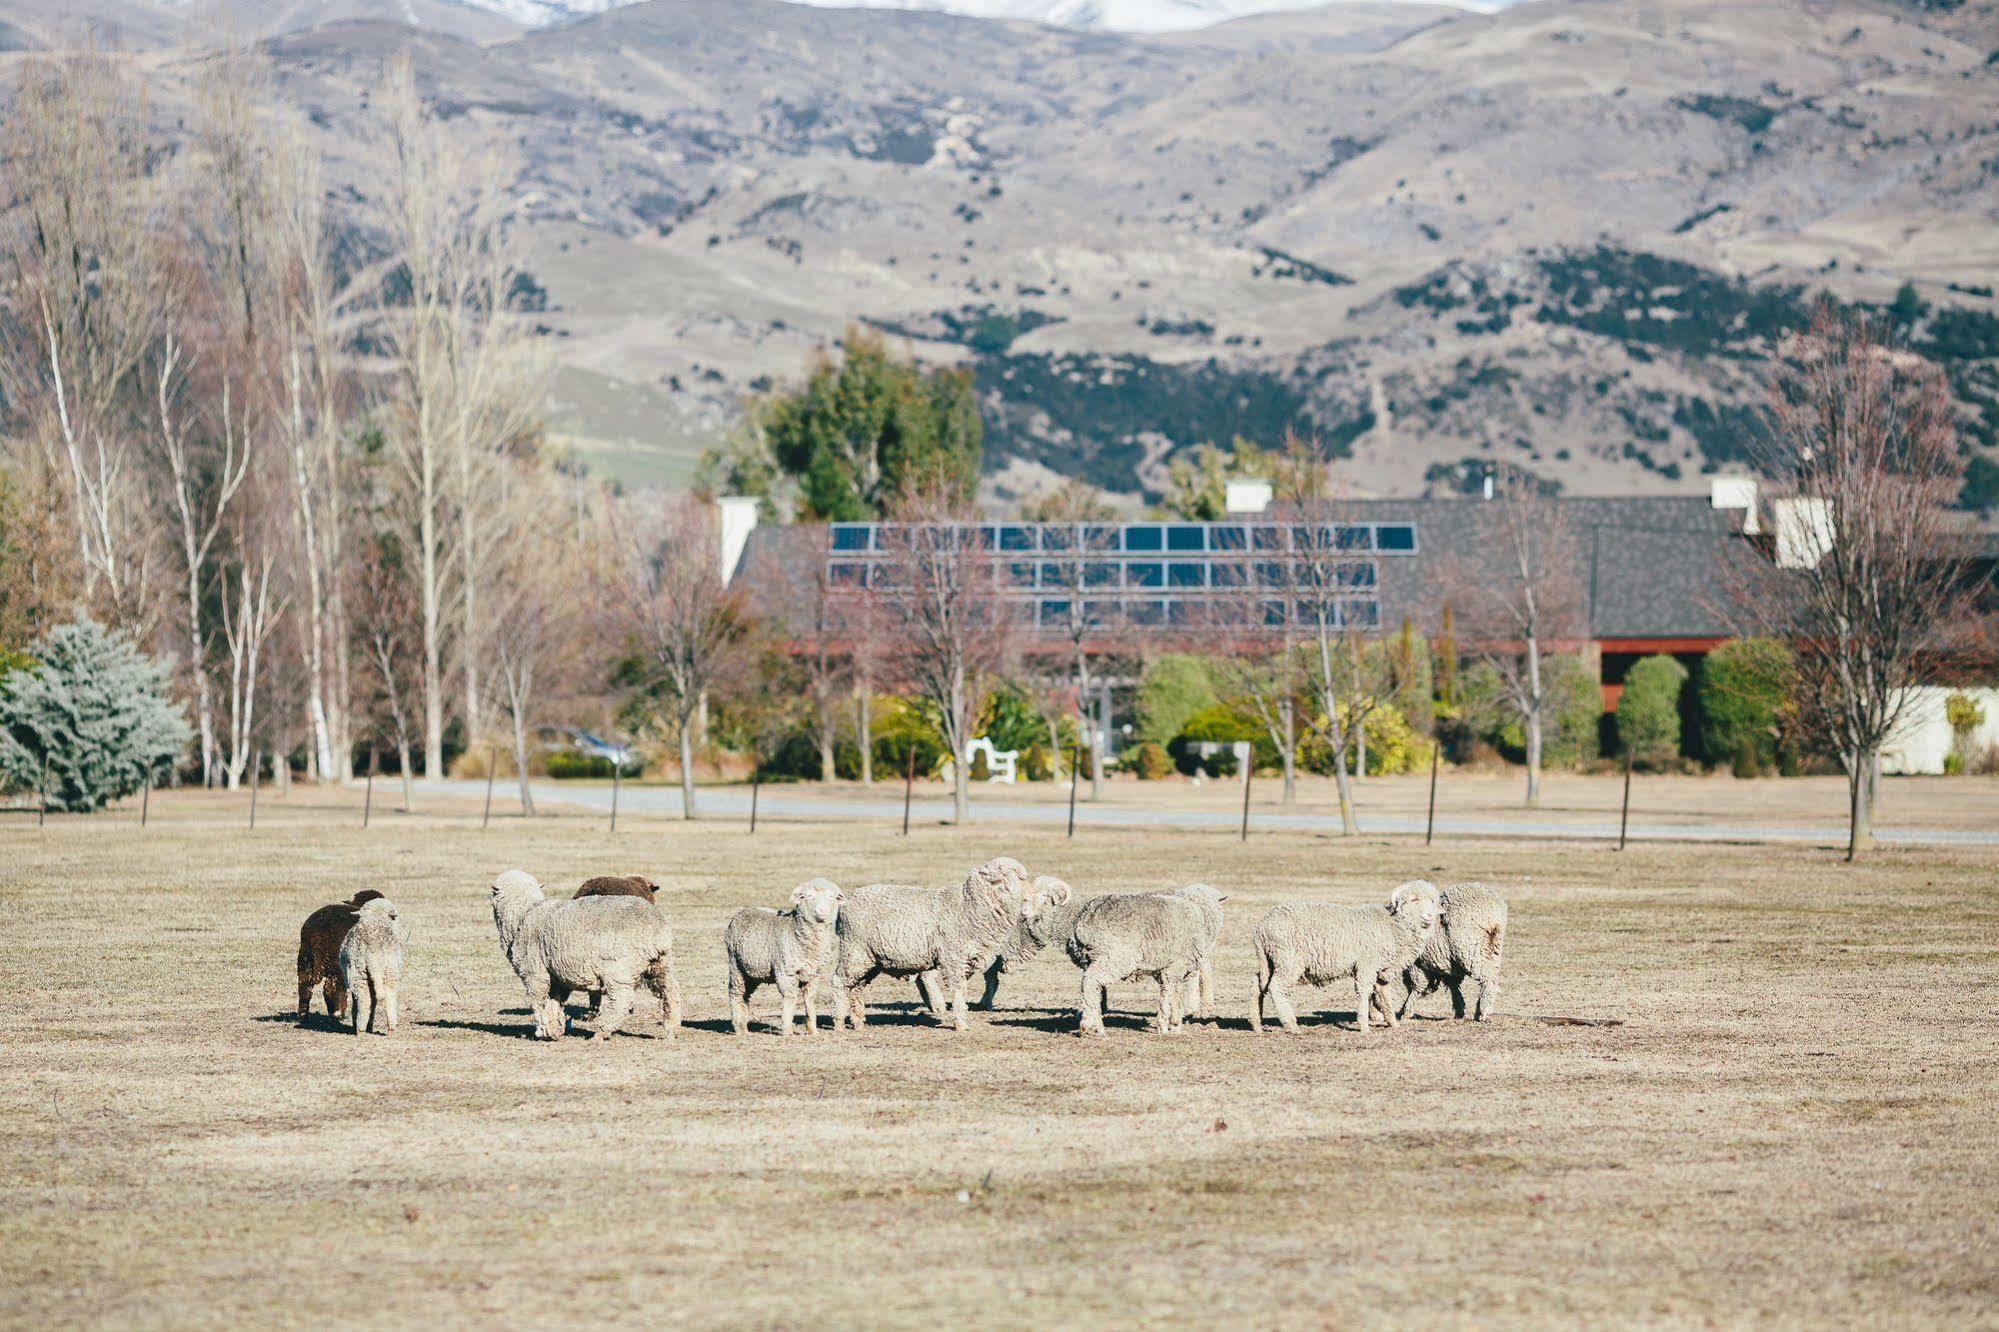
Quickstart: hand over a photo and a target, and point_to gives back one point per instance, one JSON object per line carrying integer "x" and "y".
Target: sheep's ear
{"x": 801, "y": 892}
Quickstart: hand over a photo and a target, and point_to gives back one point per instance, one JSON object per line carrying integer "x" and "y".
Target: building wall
{"x": 1926, "y": 736}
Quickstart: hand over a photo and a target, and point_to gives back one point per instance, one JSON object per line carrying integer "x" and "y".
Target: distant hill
{"x": 1562, "y": 236}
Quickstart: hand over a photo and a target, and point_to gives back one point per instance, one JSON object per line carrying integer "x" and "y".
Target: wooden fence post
{"x": 1624, "y": 818}
{"x": 146, "y": 796}
{"x": 368, "y": 800}
{"x": 617, "y": 780}
{"x": 1430, "y": 823}
{"x": 1075, "y": 769}
{"x": 756, "y": 785}
{"x": 256, "y": 763}
{"x": 42, "y": 794}
{"x": 1248, "y": 775}
{"x": 908, "y": 782}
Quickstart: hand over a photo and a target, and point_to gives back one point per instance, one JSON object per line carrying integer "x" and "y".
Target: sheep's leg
{"x": 847, "y": 991}
{"x": 1377, "y": 998}
{"x": 1457, "y": 989}
{"x": 739, "y": 1001}
{"x": 1486, "y": 1000}
{"x": 618, "y": 1001}
{"x": 1363, "y": 987}
{"x": 305, "y": 989}
{"x": 930, "y": 989}
{"x": 360, "y": 997}
{"x": 389, "y": 998}
{"x": 1169, "y": 998}
{"x": 959, "y": 981}
{"x": 810, "y": 987}
{"x": 538, "y": 990}
{"x": 993, "y": 972}
{"x": 334, "y": 991}
{"x": 1090, "y": 1021}
{"x": 788, "y": 987}
{"x": 666, "y": 984}
{"x": 1280, "y": 999}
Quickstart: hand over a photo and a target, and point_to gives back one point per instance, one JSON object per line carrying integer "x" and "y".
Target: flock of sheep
{"x": 611, "y": 940}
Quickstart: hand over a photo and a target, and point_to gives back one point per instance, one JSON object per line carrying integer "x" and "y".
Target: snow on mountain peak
{"x": 1095, "y": 15}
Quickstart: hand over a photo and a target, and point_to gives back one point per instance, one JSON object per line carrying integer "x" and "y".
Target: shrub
{"x": 1224, "y": 724}
{"x": 1965, "y": 717}
{"x": 1568, "y": 721}
{"x": 1747, "y": 762}
{"x": 1393, "y": 746}
{"x": 1037, "y": 763}
{"x": 1151, "y": 762}
{"x": 1648, "y": 712}
{"x": 566, "y": 764}
{"x": 1010, "y": 721}
{"x": 98, "y": 708}
{"x": 902, "y": 730}
{"x": 1744, "y": 697}
{"x": 1173, "y": 688}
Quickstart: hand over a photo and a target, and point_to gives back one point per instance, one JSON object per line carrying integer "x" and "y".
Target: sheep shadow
{"x": 525, "y": 1030}
{"x": 313, "y": 1021}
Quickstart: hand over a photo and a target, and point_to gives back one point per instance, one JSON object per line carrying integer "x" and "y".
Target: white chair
{"x": 1001, "y": 764}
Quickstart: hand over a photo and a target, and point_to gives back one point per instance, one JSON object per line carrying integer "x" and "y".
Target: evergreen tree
{"x": 97, "y": 707}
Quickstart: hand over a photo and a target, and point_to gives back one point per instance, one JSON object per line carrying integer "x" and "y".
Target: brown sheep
{"x": 612, "y": 885}
{"x": 619, "y": 885}
{"x": 319, "y": 941}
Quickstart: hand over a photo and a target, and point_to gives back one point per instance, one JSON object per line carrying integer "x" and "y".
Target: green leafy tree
{"x": 864, "y": 428}
{"x": 1648, "y": 711}
{"x": 1174, "y": 687}
{"x": 1744, "y": 697}
{"x": 97, "y": 708}
{"x": 1197, "y": 482}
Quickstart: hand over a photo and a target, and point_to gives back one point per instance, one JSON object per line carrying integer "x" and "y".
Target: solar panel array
{"x": 1154, "y": 575}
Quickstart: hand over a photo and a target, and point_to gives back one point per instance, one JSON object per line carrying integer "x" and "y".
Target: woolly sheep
{"x": 1464, "y": 949}
{"x": 619, "y": 885}
{"x": 1122, "y": 936}
{"x": 1026, "y": 939}
{"x": 895, "y": 930}
{"x": 1321, "y": 944}
{"x": 319, "y": 941}
{"x": 788, "y": 949}
{"x": 613, "y": 944}
{"x": 371, "y": 966}
{"x": 614, "y": 885}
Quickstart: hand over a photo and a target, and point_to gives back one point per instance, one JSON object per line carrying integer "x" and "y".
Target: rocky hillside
{"x": 1562, "y": 236}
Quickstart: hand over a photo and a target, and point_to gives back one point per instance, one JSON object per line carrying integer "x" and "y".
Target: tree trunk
{"x": 687, "y": 767}
{"x": 1349, "y": 825}
{"x": 1860, "y": 813}
{"x": 1289, "y": 745}
{"x": 403, "y": 759}
{"x": 864, "y": 728}
{"x": 1533, "y": 720}
{"x": 960, "y": 729}
{"x": 433, "y": 648}
{"x": 521, "y": 758}
{"x": 822, "y": 711}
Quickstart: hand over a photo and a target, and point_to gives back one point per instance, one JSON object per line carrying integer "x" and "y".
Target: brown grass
{"x": 1793, "y": 1124}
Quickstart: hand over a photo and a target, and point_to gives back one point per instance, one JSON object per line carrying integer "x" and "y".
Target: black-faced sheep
{"x": 319, "y": 941}
{"x": 1318, "y": 944}
{"x": 619, "y": 885}
{"x": 788, "y": 949}
{"x": 1463, "y": 951}
{"x": 612, "y": 944}
{"x": 371, "y": 966}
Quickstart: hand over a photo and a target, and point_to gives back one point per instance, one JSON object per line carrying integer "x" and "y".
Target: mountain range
{"x": 1564, "y": 236}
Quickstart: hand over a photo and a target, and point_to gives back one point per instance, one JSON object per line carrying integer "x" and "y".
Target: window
{"x": 1357, "y": 573}
{"x": 1228, "y": 538}
{"x": 1054, "y": 614}
{"x": 1100, "y": 573}
{"x": 1096, "y": 536}
{"x": 1100, "y": 612}
{"x": 1014, "y": 536}
{"x": 1144, "y": 573}
{"x": 1356, "y": 538}
{"x": 1143, "y": 537}
{"x": 851, "y": 536}
{"x": 1273, "y": 614}
{"x": 1057, "y": 575}
{"x": 1395, "y": 536}
{"x": 1267, "y": 536}
{"x": 1230, "y": 573}
{"x": 1184, "y": 613}
{"x": 1185, "y": 573}
{"x": 1186, "y": 537}
{"x": 847, "y": 573}
{"x": 1271, "y": 573}
{"x": 1061, "y": 537}
{"x": 1020, "y": 574}
{"x": 1146, "y": 614}
{"x": 1364, "y": 614}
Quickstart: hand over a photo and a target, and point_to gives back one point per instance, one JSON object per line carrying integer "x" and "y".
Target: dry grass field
{"x": 1791, "y": 1124}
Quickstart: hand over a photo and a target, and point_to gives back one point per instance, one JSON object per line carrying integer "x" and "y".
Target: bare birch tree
{"x": 536, "y": 612}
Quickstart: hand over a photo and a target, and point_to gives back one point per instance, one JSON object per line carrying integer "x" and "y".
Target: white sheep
{"x": 371, "y": 966}
{"x": 1321, "y": 944}
{"x": 1027, "y": 939}
{"x": 612, "y": 944}
{"x": 1123, "y": 936}
{"x": 895, "y": 930}
{"x": 788, "y": 949}
{"x": 1464, "y": 949}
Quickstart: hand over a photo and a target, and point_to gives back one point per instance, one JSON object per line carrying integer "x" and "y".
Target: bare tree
{"x": 689, "y": 627}
{"x": 1270, "y": 678}
{"x": 1872, "y": 581}
{"x": 825, "y": 664}
{"x": 1523, "y": 599}
{"x": 1091, "y": 621}
{"x": 537, "y": 571}
{"x": 384, "y": 609}
{"x": 466, "y": 384}
{"x": 82, "y": 249}
{"x": 947, "y": 621}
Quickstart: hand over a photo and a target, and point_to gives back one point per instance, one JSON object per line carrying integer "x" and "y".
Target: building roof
{"x": 1649, "y": 568}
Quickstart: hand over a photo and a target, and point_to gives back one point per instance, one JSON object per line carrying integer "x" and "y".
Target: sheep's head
{"x": 377, "y": 908}
{"x": 1044, "y": 895}
{"x": 1416, "y": 901}
{"x": 362, "y": 898}
{"x": 818, "y": 900}
{"x": 1204, "y": 893}
{"x": 1002, "y": 877}
{"x": 514, "y": 894}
